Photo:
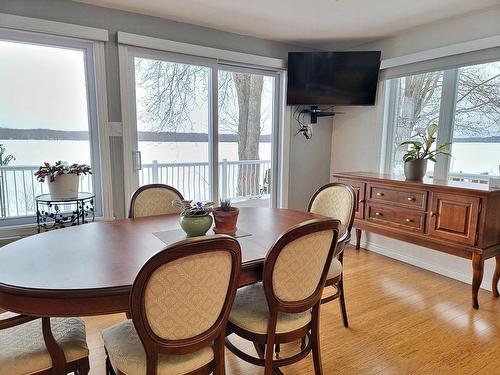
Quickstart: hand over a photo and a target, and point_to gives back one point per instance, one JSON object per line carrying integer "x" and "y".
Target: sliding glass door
{"x": 172, "y": 117}
{"x": 207, "y": 129}
{"x": 246, "y": 128}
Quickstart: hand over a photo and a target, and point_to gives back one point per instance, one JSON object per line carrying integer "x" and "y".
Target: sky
{"x": 42, "y": 87}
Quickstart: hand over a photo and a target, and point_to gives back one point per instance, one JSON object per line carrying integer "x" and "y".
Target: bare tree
{"x": 172, "y": 91}
{"x": 477, "y": 105}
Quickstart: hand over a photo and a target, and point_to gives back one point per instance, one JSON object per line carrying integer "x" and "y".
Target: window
{"x": 47, "y": 113}
{"x": 465, "y": 102}
{"x": 206, "y": 128}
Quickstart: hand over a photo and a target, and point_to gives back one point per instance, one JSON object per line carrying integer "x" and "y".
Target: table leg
{"x": 477, "y": 277}
{"x": 358, "y": 239}
{"x": 496, "y": 277}
{"x": 55, "y": 351}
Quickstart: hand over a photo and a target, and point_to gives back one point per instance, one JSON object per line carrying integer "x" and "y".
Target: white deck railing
{"x": 249, "y": 178}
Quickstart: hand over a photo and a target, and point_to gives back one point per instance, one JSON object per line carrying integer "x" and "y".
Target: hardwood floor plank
{"x": 403, "y": 320}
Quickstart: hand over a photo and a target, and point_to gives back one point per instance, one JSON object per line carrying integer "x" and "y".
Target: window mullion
{"x": 213, "y": 134}
{"x": 446, "y": 120}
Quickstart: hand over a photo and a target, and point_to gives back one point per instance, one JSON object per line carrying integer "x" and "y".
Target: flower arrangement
{"x": 191, "y": 209}
{"x": 50, "y": 171}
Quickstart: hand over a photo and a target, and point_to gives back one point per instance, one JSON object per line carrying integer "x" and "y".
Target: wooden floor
{"x": 403, "y": 320}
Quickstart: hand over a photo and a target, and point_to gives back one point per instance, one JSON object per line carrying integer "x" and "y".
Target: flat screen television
{"x": 332, "y": 78}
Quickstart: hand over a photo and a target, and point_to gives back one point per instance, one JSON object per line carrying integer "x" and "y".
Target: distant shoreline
{"x": 62, "y": 135}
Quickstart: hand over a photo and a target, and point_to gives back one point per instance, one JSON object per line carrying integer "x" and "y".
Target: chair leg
{"x": 83, "y": 367}
{"x": 277, "y": 350}
{"x": 109, "y": 368}
{"x": 342, "y": 302}
{"x": 318, "y": 369}
{"x": 220, "y": 365}
{"x": 268, "y": 369}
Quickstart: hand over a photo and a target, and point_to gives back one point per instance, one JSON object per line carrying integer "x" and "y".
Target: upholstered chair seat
{"x": 338, "y": 201}
{"x": 180, "y": 305}
{"x": 23, "y": 350}
{"x": 335, "y": 269}
{"x": 251, "y": 312}
{"x": 127, "y": 354}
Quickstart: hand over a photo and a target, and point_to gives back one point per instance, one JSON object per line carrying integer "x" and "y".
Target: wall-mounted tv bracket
{"x": 317, "y": 112}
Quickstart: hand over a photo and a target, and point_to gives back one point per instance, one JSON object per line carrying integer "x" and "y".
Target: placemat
{"x": 175, "y": 235}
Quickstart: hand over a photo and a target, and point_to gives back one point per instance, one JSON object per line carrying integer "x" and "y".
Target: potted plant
{"x": 420, "y": 150}
{"x": 225, "y": 217}
{"x": 62, "y": 178}
{"x": 195, "y": 217}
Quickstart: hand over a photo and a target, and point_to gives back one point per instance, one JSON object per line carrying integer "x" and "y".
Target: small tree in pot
{"x": 419, "y": 151}
{"x": 225, "y": 217}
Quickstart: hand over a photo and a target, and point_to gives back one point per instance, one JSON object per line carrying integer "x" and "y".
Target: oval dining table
{"x": 89, "y": 269}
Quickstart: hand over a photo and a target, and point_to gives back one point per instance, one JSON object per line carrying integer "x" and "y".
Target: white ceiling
{"x": 303, "y": 21}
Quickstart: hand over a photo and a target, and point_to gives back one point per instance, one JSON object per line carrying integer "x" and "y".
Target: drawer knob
{"x": 409, "y": 220}
{"x": 378, "y": 214}
{"x": 361, "y": 201}
{"x": 432, "y": 213}
{"x": 411, "y": 199}
{"x": 380, "y": 194}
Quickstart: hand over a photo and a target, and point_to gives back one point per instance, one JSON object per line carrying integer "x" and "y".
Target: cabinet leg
{"x": 496, "y": 277}
{"x": 358, "y": 239}
{"x": 477, "y": 277}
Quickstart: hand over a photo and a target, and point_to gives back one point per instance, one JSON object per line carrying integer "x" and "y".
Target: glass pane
{"x": 476, "y": 132}
{"x": 172, "y": 102}
{"x": 246, "y": 111}
{"x": 417, "y": 104}
{"x": 43, "y": 118}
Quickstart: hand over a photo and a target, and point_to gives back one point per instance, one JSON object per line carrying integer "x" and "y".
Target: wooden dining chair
{"x": 284, "y": 307}
{"x": 154, "y": 199}
{"x": 338, "y": 201}
{"x": 180, "y": 303}
{"x": 28, "y": 347}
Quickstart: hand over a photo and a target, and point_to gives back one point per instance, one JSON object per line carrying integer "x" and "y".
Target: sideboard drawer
{"x": 397, "y": 217}
{"x": 415, "y": 199}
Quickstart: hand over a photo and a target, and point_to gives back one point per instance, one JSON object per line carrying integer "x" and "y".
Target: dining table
{"x": 89, "y": 269}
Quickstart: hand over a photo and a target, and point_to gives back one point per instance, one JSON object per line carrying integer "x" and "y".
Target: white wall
{"x": 357, "y": 135}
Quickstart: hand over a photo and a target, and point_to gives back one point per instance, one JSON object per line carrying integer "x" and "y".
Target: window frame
{"x": 447, "y": 112}
{"x": 128, "y": 53}
{"x": 97, "y": 113}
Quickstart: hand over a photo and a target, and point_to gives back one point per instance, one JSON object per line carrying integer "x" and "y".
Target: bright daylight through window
{"x": 174, "y": 103}
{"x": 44, "y": 117}
{"x": 472, "y": 123}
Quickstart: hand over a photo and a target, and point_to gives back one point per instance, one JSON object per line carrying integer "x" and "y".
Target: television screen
{"x": 333, "y": 78}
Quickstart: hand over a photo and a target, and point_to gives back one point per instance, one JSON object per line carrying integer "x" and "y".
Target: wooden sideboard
{"x": 459, "y": 219}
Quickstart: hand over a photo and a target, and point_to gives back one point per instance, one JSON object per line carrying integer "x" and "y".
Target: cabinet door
{"x": 359, "y": 188}
{"x": 454, "y": 217}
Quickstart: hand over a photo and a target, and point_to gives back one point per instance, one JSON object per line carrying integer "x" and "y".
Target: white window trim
{"x": 221, "y": 55}
{"x": 126, "y": 52}
{"x": 98, "y": 109}
{"x": 11, "y": 21}
{"x": 436, "y": 53}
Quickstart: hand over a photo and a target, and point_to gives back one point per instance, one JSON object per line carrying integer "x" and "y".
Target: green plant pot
{"x": 415, "y": 170}
{"x": 196, "y": 225}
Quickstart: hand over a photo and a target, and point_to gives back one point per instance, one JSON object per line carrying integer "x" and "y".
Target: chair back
{"x": 296, "y": 267}
{"x": 181, "y": 298}
{"x": 154, "y": 199}
{"x": 338, "y": 201}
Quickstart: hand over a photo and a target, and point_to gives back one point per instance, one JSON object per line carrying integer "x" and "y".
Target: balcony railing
{"x": 237, "y": 179}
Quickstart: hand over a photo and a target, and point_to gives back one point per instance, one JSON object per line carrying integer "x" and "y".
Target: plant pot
{"x": 65, "y": 186}
{"x": 415, "y": 169}
{"x": 225, "y": 221}
{"x": 196, "y": 225}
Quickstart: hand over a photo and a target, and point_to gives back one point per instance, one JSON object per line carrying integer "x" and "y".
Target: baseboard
{"x": 388, "y": 252}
